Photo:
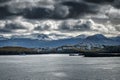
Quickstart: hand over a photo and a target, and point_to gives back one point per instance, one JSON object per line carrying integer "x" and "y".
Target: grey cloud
{"x": 117, "y": 27}
{"x": 87, "y": 26}
{"x": 83, "y": 27}
{"x": 65, "y": 27}
{"x": 5, "y": 31}
{"x": 113, "y": 13}
{"x": 4, "y": 12}
{"x": 77, "y": 26}
{"x": 80, "y": 8}
{"x": 53, "y": 9}
{"x": 57, "y": 35}
{"x": 43, "y": 27}
{"x": 25, "y": 9}
{"x": 100, "y": 1}
{"x": 11, "y": 27}
{"x": 14, "y": 26}
{"x": 2, "y": 1}
{"x": 37, "y": 12}
{"x": 116, "y": 3}
{"x": 59, "y": 10}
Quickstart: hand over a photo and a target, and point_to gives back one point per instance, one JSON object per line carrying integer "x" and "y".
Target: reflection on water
{"x": 59, "y": 74}
{"x": 58, "y": 67}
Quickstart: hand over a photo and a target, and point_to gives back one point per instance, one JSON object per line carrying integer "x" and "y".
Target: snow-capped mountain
{"x": 33, "y": 36}
{"x": 35, "y": 43}
{"x": 44, "y": 41}
{"x": 81, "y": 36}
{"x": 96, "y": 37}
{"x": 2, "y": 38}
{"x": 99, "y": 40}
{"x": 41, "y": 37}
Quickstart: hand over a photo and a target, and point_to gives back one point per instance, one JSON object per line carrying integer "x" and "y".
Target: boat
{"x": 75, "y": 54}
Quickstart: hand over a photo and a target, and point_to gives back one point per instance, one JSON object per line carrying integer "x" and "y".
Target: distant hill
{"x": 100, "y": 39}
{"x": 34, "y": 43}
{"x": 43, "y": 41}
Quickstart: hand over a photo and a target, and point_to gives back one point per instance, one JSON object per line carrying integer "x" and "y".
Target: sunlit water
{"x": 58, "y": 67}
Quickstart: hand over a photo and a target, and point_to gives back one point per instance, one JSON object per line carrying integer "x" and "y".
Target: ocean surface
{"x": 59, "y": 67}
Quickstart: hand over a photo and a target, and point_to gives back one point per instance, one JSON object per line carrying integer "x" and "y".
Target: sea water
{"x": 59, "y": 67}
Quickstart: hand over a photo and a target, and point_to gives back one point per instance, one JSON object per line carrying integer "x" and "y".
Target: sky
{"x": 59, "y": 18}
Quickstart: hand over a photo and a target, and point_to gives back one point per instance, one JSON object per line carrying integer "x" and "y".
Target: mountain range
{"x": 43, "y": 40}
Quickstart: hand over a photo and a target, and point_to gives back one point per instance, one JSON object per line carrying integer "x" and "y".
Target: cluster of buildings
{"x": 77, "y": 47}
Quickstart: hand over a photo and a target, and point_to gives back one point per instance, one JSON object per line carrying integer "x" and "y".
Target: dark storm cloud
{"x": 4, "y": 12}
{"x": 114, "y": 3}
{"x": 37, "y": 13}
{"x": 60, "y": 12}
{"x": 117, "y": 4}
{"x": 33, "y": 12}
{"x": 80, "y": 8}
{"x": 5, "y": 31}
{"x": 99, "y": 1}
{"x": 30, "y": 13}
{"x": 63, "y": 9}
{"x": 2, "y": 1}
